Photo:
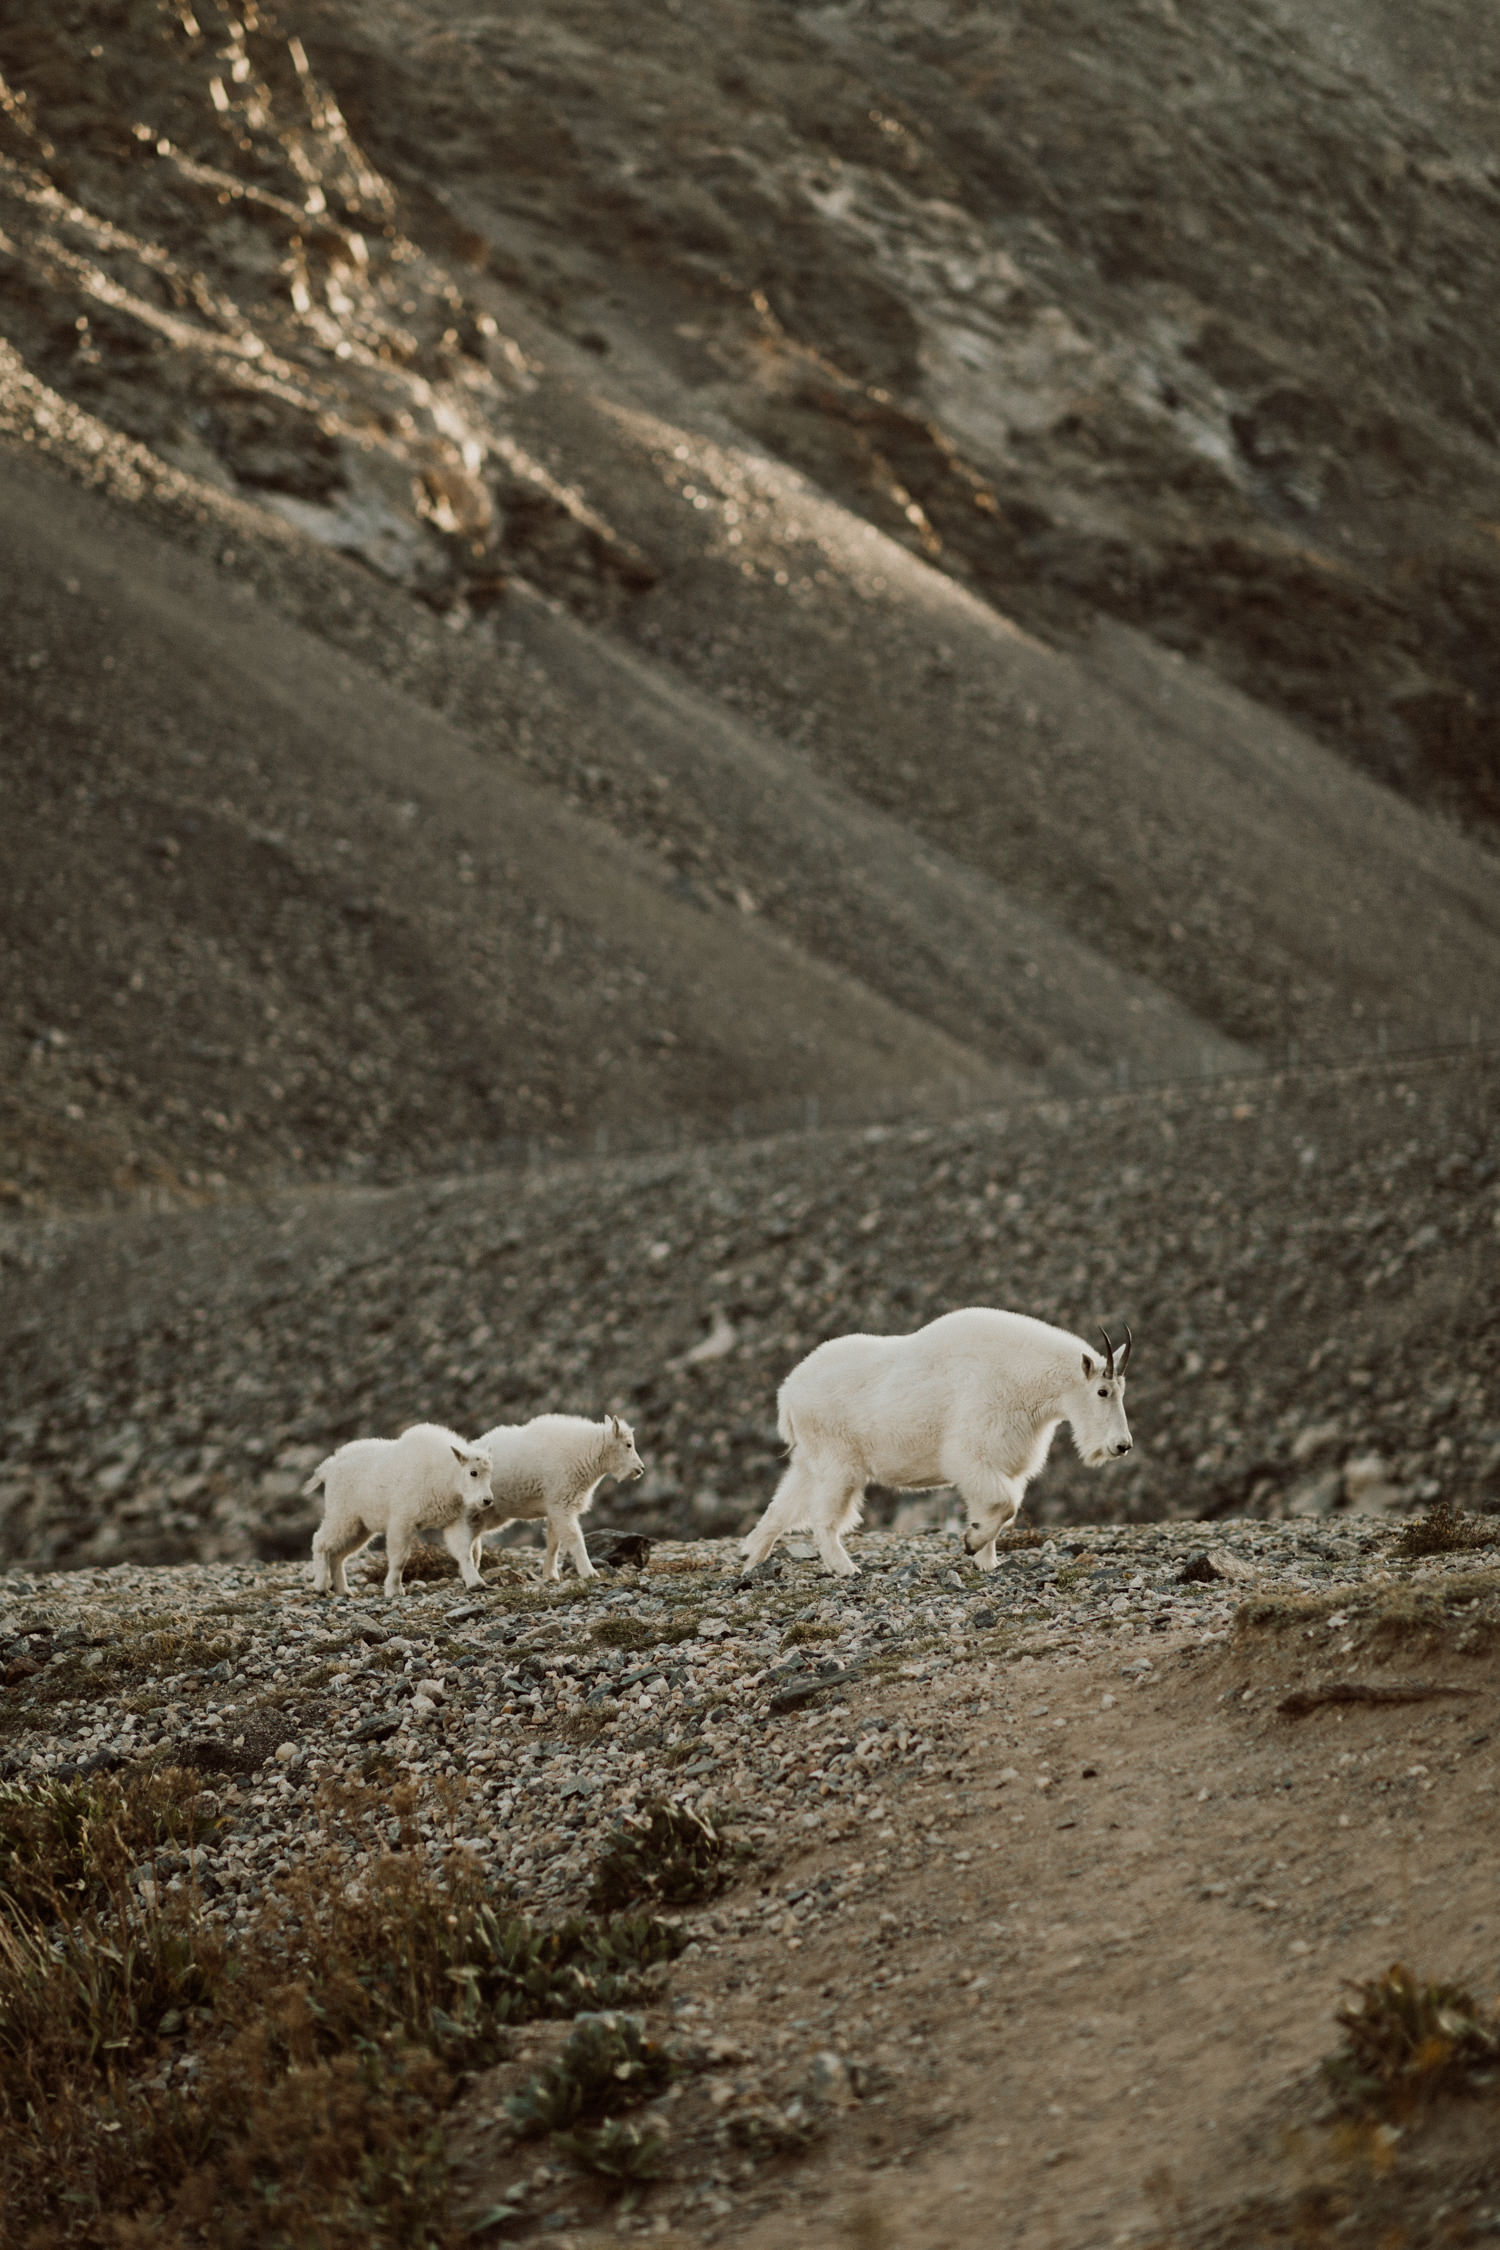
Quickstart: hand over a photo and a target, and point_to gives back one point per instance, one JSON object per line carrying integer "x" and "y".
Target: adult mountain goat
{"x": 973, "y": 1400}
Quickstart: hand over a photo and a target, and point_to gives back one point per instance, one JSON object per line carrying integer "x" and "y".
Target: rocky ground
{"x": 979, "y": 538}
{"x": 1071, "y": 1812}
{"x": 1307, "y": 1262}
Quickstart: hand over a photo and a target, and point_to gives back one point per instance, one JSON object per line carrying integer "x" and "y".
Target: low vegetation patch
{"x": 1461, "y": 1612}
{"x": 158, "y": 2085}
{"x": 610, "y": 2063}
{"x": 171, "y": 1649}
{"x": 637, "y": 1633}
{"x": 1406, "y": 2042}
{"x": 67, "y": 1845}
{"x": 665, "y": 1852}
{"x": 765, "y": 2129}
{"x": 619, "y": 2152}
{"x": 1445, "y": 1530}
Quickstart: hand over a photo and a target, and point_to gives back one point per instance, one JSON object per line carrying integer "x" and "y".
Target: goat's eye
{"x": 1104, "y": 1394}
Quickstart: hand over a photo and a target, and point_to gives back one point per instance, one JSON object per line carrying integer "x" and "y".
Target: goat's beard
{"x": 1095, "y": 1456}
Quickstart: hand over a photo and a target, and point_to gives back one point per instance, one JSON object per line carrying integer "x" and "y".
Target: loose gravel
{"x": 530, "y": 1718}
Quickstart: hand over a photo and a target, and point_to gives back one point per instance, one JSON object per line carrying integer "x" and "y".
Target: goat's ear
{"x": 614, "y": 1425}
{"x": 1089, "y": 1367}
{"x": 459, "y": 1454}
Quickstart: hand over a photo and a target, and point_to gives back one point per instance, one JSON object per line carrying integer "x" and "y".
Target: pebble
{"x": 548, "y": 1733}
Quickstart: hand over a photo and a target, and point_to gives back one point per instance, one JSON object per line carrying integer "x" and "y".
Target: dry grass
{"x": 1445, "y": 1530}
{"x": 637, "y": 1634}
{"x": 68, "y": 1845}
{"x": 1405, "y": 2043}
{"x": 320, "y": 2053}
{"x": 1460, "y": 1613}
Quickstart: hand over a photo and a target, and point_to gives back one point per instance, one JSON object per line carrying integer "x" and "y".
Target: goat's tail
{"x": 316, "y": 1479}
{"x": 786, "y": 1427}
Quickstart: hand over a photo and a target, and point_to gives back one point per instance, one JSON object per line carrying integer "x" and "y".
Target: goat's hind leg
{"x": 789, "y": 1509}
{"x": 839, "y": 1509}
{"x": 332, "y": 1548}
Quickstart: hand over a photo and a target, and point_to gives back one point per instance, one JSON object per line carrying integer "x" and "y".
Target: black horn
{"x": 1125, "y": 1354}
{"x": 1109, "y": 1349}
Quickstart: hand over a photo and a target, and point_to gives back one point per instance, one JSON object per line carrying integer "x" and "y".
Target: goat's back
{"x": 974, "y": 1354}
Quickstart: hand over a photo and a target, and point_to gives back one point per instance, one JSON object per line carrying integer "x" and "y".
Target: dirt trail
{"x": 1091, "y": 2012}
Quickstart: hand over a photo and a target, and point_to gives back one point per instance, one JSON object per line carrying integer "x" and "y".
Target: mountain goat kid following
{"x": 427, "y": 1479}
{"x": 973, "y": 1400}
{"x": 551, "y": 1467}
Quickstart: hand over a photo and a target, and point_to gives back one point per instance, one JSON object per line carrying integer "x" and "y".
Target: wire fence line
{"x": 946, "y": 1100}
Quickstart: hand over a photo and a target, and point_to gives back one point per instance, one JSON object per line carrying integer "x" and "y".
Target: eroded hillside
{"x": 871, "y": 575}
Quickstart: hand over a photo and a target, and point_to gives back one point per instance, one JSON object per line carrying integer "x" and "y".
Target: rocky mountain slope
{"x": 932, "y": 1881}
{"x": 778, "y": 470}
{"x": 1308, "y": 1265}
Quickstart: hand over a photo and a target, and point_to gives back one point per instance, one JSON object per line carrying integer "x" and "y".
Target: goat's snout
{"x": 1124, "y": 1446}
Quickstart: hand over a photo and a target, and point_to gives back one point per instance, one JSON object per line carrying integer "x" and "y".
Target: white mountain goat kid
{"x": 551, "y": 1467}
{"x": 973, "y": 1400}
{"x": 426, "y": 1479}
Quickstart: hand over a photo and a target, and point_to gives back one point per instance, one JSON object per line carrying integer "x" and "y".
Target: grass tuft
{"x": 1461, "y": 1612}
{"x": 637, "y": 1633}
{"x": 64, "y": 1845}
{"x": 763, "y": 2130}
{"x": 664, "y": 1852}
{"x": 1406, "y": 2042}
{"x": 1445, "y": 1530}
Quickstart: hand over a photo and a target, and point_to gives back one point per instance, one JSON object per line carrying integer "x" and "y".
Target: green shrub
{"x": 664, "y": 1852}
{"x": 617, "y": 2151}
{"x": 610, "y": 2063}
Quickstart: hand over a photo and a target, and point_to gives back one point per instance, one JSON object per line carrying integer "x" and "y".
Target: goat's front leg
{"x": 992, "y": 1503}
{"x": 458, "y": 1538}
{"x": 570, "y": 1535}
{"x": 400, "y": 1538}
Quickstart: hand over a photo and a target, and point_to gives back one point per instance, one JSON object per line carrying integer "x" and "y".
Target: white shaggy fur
{"x": 426, "y": 1479}
{"x": 973, "y": 1400}
{"x": 552, "y": 1467}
